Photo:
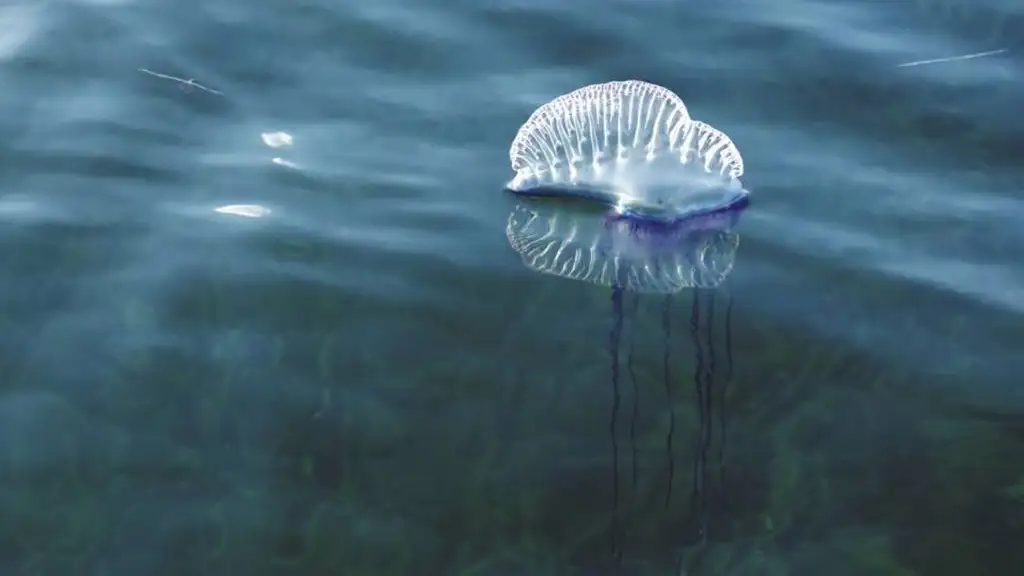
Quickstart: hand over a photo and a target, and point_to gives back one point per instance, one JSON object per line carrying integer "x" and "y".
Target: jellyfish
{"x": 629, "y": 145}
{"x": 617, "y": 186}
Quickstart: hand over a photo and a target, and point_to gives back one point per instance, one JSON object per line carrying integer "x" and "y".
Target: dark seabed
{"x": 362, "y": 377}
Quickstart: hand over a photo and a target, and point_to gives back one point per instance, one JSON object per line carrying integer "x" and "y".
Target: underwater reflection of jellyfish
{"x": 633, "y": 257}
{"x": 570, "y": 240}
{"x": 656, "y": 195}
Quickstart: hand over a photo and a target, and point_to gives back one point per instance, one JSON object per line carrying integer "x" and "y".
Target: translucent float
{"x": 630, "y": 145}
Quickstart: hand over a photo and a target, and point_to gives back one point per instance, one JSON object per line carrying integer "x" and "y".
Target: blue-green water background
{"x": 368, "y": 381}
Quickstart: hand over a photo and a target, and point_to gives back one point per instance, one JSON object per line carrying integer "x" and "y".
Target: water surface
{"x": 366, "y": 379}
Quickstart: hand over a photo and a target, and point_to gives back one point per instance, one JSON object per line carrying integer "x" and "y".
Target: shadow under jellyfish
{"x": 617, "y": 186}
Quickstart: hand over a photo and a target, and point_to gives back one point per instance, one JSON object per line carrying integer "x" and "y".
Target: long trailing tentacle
{"x": 614, "y": 341}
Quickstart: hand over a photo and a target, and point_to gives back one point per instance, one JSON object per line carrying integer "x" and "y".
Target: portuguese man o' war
{"x": 630, "y": 145}
{"x": 634, "y": 256}
{"x": 619, "y": 187}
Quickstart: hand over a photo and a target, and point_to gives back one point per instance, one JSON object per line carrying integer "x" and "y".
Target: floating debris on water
{"x": 189, "y": 82}
{"x": 953, "y": 58}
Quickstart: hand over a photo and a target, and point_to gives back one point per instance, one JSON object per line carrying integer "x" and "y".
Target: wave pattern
{"x": 368, "y": 368}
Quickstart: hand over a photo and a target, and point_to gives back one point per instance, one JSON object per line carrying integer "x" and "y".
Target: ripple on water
{"x": 19, "y": 24}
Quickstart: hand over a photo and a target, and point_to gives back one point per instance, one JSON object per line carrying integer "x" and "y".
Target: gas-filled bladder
{"x": 630, "y": 145}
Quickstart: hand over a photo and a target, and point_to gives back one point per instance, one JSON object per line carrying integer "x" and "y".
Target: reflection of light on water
{"x": 16, "y": 207}
{"x": 246, "y": 210}
{"x": 285, "y": 163}
{"x": 276, "y": 139}
{"x": 24, "y": 209}
{"x": 18, "y": 25}
{"x": 279, "y": 140}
